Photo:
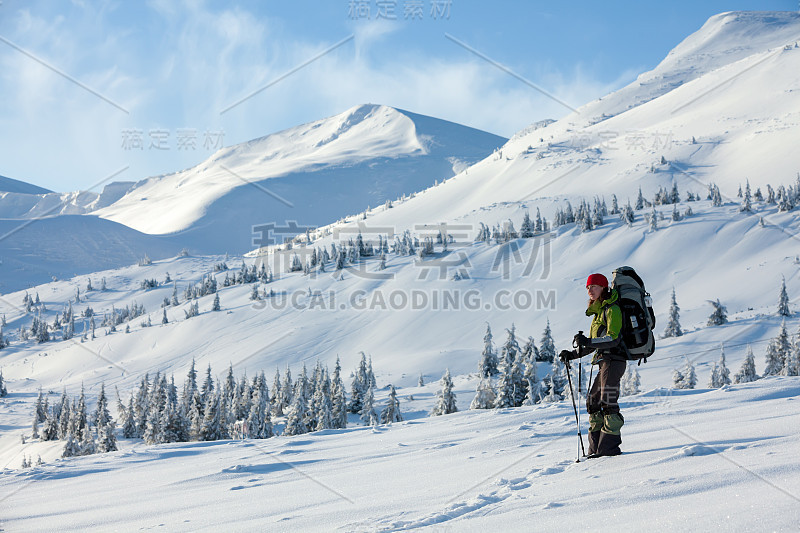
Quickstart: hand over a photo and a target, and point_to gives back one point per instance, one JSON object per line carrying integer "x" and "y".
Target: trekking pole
{"x": 580, "y": 386}
{"x": 575, "y": 408}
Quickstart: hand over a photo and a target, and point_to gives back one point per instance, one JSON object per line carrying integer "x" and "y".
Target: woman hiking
{"x": 605, "y": 420}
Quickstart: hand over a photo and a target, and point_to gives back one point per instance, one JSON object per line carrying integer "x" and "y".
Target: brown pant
{"x": 604, "y": 394}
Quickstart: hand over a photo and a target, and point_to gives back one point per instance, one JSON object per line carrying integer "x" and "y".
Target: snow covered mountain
{"x": 722, "y": 108}
{"x": 733, "y": 86}
{"x": 311, "y": 174}
{"x": 302, "y": 177}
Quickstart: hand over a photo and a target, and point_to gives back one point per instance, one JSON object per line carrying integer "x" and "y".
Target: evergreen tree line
{"x": 719, "y": 315}
{"x": 506, "y": 232}
{"x": 70, "y": 422}
{"x": 159, "y": 412}
{"x": 782, "y": 358}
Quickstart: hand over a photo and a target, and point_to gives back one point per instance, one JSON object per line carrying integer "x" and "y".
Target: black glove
{"x": 566, "y": 355}
{"x": 580, "y": 340}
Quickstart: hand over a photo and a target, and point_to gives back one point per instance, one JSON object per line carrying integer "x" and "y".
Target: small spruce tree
{"x": 720, "y": 314}
{"x": 446, "y": 398}
{"x": 392, "y": 411}
{"x": 673, "y": 325}
{"x": 485, "y": 395}
{"x": 488, "y": 364}
{"x": 547, "y": 350}
{"x": 747, "y": 372}
{"x": 783, "y": 300}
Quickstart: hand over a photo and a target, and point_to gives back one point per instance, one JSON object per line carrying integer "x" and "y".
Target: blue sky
{"x": 92, "y": 89}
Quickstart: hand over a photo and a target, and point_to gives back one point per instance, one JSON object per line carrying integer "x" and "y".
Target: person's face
{"x": 594, "y": 291}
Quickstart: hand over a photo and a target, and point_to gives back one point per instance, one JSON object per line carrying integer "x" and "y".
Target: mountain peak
{"x": 731, "y": 36}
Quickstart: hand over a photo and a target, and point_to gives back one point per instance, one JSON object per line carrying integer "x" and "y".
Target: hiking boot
{"x": 594, "y": 438}
{"x": 607, "y": 446}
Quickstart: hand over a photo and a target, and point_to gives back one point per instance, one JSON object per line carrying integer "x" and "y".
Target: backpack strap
{"x": 621, "y": 340}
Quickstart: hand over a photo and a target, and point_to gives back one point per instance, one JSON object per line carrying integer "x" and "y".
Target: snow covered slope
{"x": 33, "y": 252}
{"x": 699, "y": 460}
{"x": 721, "y": 108}
{"x": 16, "y": 186}
{"x": 311, "y": 174}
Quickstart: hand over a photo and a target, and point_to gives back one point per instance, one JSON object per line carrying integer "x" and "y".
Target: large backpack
{"x": 638, "y": 318}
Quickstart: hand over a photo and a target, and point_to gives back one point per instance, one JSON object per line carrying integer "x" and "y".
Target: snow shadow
{"x": 266, "y": 468}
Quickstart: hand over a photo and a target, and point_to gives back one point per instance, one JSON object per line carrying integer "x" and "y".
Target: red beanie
{"x": 597, "y": 279}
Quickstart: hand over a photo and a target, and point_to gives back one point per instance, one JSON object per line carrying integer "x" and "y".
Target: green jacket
{"x": 606, "y": 326}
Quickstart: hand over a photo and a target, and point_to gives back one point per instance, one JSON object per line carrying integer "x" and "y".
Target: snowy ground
{"x": 702, "y": 460}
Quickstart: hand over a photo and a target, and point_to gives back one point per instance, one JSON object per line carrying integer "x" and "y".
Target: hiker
{"x": 605, "y": 420}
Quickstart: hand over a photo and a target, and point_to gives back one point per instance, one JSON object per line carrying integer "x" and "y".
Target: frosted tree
{"x": 529, "y": 351}
{"x": 164, "y": 320}
{"x": 87, "y": 443}
{"x": 485, "y": 395}
{"x": 673, "y": 322}
{"x": 211, "y": 428}
{"x": 639, "y": 201}
{"x": 215, "y": 305}
{"x": 129, "y": 430}
{"x": 792, "y": 366}
{"x": 207, "y": 389}
{"x": 777, "y": 352}
{"x": 631, "y": 382}
{"x": 359, "y": 386}
{"x": 81, "y": 415}
{"x": 527, "y": 228}
{"x": 783, "y": 300}
{"x": 106, "y": 437}
{"x": 297, "y": 417}
{"x": 488, "y": 363}
{"x": 445, "y": 398}
{"x": 723, "y": 374}
{"x": 505, "y": 386}
{"x": 72, "y": 447}
{"x": 511, "y": 346}
{"x": 368, "y": 415}
{"x": 324, "y": 409}
{"x": 558, "y": 378}
{"x": 174, "y": 426}
{"x": 720, "y": 314}
{"x": 685, "y": 378}
{"x": 713, "y": 381}
{"x": 421, "y": 380}
{"x": 747, "y": 205}
{"x": 3, "y": 389}
{"x": 391, "y": 413}
{"x": 547, "y": 350}
{"x": 338, "y": 400}
{"x": 532, "y": 384}
{"x": 654, "y": 219}
{"x": 552, "y": 396}
{"x": 371, "y": 374}
{"x": 259, "y": 423}
{"x": 747, "y": 372}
